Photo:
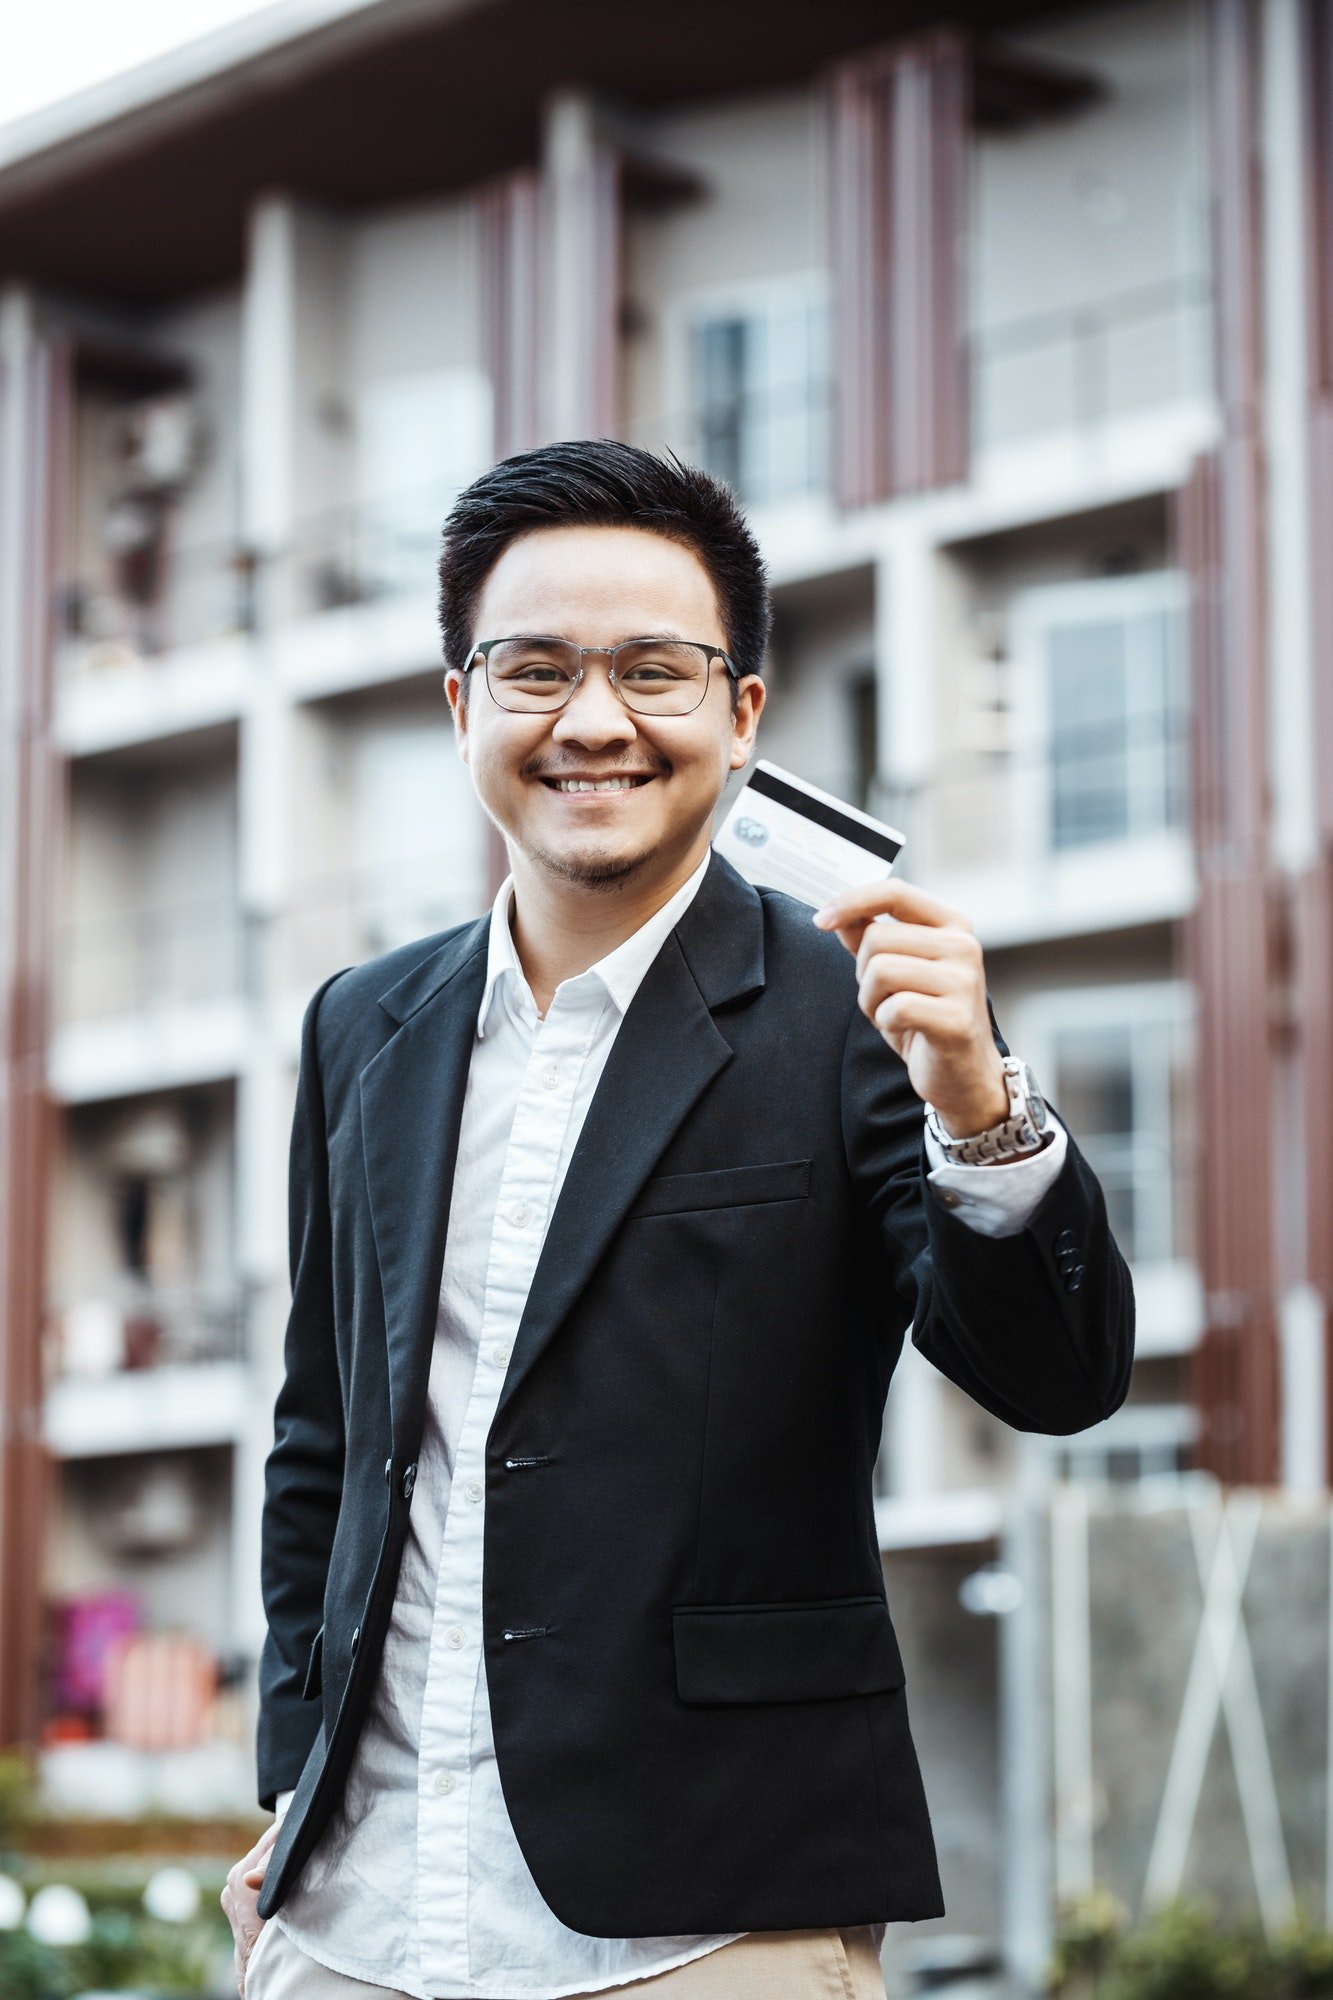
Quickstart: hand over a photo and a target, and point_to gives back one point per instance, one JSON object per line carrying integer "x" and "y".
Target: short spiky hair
{"x": 599, "y": 483}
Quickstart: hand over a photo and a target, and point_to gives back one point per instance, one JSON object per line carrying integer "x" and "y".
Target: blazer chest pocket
{"x": 743, "y": 1653}
{"x": 725, "y": 1187}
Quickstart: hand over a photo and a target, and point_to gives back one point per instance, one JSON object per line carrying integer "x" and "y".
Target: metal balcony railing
{"x": 1099, "y": 784}
{"x": 1079, "y": 367}
{"x": 145, "y": 960}
{"x": 133, "y": 1325}
{"x": 357, "y": 913}
{"x": 124, "y": 616}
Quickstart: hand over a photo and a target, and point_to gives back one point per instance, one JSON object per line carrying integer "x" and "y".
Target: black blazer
{"x": 710, "y": 1732}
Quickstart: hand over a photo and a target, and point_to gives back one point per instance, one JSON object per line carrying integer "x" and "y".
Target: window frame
{"x": 1168, "y": 1290}
{"x": 1035, "y": 614}
{"x": 741, "y": 298}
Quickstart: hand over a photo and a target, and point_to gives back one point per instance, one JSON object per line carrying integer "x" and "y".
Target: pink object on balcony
{"x": 88, "y": 1628}
{"x": 159, "y": 1690}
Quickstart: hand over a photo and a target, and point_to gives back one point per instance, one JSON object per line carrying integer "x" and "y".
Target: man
{"x": 609, "y": 1213}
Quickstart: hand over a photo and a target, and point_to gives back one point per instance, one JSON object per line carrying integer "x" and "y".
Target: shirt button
{"x": 454, "y": 1638}
{"x": 520, "y": 1215}
{"x": 474, "y": 1490}
{"x": 500, "y": 1355}
{"x": 550, "y": 1078}
{"x": 950, "y": 1198}
{"x": 444, "y": 1783}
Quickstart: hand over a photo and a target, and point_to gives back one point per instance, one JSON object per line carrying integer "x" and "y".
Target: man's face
{"x": 597, "y": 587}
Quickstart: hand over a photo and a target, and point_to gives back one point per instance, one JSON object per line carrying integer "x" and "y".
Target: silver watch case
{"x": 1023, "y": 1131}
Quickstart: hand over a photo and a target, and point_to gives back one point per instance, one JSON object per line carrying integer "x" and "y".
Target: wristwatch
{"x": 1026, "y": 1130}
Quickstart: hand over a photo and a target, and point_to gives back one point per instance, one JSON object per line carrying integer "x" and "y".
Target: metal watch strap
{"x": 1014, "y": 1138}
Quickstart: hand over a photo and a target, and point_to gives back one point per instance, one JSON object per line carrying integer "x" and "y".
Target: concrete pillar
{"x": 582, "y": 277}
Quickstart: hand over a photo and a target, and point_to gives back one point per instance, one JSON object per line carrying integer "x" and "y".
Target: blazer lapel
{"x": 666, "y": 1054}
{"x": 411, "y": 1108}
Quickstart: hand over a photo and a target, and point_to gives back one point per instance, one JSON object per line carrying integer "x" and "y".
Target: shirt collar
{"x": 621, "y": 972}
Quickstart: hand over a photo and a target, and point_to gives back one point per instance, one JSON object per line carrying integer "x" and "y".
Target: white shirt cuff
{"x": 281, "y": 1803}
{"x": 998, "y": 1201}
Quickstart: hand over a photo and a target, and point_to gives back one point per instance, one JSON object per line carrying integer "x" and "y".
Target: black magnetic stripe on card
{"x": 825, "y": 815}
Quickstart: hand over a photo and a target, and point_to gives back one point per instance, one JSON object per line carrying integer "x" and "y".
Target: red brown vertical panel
{"x": 1314, "y": 947}
{"x": 508, "y": 213}
{"x": 34, "y": 406}
{"x": 1229, "y": 944}
{"x": 898, "y": 153}
{"x": 860, "y": 99}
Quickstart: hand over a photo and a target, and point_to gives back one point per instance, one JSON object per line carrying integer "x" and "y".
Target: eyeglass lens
{"x": 655, "y": 676}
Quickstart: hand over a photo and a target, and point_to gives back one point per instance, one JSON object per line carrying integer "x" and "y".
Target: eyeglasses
{"x": 534, "y": 676}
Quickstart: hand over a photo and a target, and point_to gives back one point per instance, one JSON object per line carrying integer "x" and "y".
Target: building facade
{"x": 1015, "y": 335}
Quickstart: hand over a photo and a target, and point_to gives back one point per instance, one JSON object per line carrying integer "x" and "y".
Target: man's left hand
{"x": 923, "y": 985}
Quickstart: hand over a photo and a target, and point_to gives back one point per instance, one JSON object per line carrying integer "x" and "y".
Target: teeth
{"x": 599, "y": 785}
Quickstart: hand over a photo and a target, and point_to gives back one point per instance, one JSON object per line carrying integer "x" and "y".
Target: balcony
{"x": 1085, "y": 835}
{"x": 343, "y": 919}
{"x": 149, "y": 997}
{"x": 1078, "y": 370}
{"x": 137, "y": 1368}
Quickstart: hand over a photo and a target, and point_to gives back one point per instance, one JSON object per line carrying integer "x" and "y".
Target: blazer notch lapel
{"x": 412, "y": 1095}
{"x": 666, "y": 1054}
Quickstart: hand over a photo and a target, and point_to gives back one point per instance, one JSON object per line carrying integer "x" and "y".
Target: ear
{"x": 456, "y": 693}
{"x": 750, "y": 698}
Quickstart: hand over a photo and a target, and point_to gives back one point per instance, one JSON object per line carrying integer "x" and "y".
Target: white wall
{"x": 760, "y": 219}
{"x": 148, "y": 904}
{"x": 1089, "y": 211}
{"x": 418, "y": 397}
{"x": 207, "y": 333}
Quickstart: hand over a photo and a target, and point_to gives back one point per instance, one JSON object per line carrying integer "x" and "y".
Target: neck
{"x": 560, "y": 928}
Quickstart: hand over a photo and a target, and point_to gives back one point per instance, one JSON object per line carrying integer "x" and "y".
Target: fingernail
{"x": 822, "y": 916}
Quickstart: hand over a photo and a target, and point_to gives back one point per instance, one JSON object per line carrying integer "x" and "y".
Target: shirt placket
{"x": 455, "y": 1673}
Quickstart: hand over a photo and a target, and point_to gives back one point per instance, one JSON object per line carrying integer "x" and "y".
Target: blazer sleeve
{"x": 303, "y": 1474}
{"x": 998, "y": 1315}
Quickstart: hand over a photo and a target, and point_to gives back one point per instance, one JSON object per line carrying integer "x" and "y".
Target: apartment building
{"x": 1015, "y": 334}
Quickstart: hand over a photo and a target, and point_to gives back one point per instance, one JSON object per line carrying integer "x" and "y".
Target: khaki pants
{"x": 766, "y": 1965}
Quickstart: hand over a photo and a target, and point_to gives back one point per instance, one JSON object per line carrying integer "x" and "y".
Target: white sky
{"x": 53, "y": 48}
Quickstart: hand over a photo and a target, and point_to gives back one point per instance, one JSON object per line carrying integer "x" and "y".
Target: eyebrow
{"x": 528, "y": 638}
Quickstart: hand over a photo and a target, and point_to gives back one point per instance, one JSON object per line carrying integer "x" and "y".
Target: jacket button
{"x": 356, "y": 1637}
{"x": 409, "y": 1481}
{"x": 1074, "y": 1278}
{"x": 1064, "y": 1243}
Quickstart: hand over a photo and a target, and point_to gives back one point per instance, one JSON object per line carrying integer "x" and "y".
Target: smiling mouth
{"x": 628, "y": 783}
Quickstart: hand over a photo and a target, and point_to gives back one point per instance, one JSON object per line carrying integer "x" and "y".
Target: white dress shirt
{"x": 417, "y": 1882}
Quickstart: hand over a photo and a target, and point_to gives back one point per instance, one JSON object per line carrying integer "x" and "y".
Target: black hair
{"x": 601, "y": 483}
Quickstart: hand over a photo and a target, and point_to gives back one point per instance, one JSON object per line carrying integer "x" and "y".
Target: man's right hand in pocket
{"x": 240, "y": 1899}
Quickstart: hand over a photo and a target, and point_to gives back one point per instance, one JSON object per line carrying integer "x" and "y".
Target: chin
{"x": 593, "y": 867}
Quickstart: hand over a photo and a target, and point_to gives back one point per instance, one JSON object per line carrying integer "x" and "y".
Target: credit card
{"x": 783, "y": 833}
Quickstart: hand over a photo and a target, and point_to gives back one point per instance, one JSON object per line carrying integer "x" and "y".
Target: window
{"x": 759, "y": 396}
{"x": 1117, "y": 1085}
{"x": 1108, "y": 706}
{"x": 1116, "y": 1062}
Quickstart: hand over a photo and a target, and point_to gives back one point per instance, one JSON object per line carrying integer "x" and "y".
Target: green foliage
{"x": 1184, "y": 1953}
{"x": 128, "y": 1952}
{"x": 125, "y": 1952}
{"x": 32, "y": 1971}
{"x": 16, "y": 1800}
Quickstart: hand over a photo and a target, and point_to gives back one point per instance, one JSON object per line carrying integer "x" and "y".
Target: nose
{"x": 594, "y": 713}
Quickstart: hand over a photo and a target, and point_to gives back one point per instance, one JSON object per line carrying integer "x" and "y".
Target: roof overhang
{"x": 138, "y": 191}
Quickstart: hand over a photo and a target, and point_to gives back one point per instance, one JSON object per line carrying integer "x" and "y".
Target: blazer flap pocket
{"x": 725, "y": 1187}
{"x": 785, "y": 1652}
{"x": 314, "y": 1670}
